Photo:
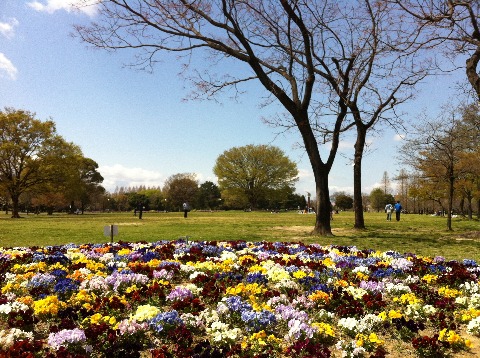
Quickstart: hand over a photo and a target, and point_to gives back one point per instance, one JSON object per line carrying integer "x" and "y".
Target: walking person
{"x": 398, "y": 210}
{"x": 186, "y": 209}
{"x": 389, "y": 211}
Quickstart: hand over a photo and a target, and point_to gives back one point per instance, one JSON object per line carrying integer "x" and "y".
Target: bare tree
{"x": 318, "y": 60}
{"x": 383, "y": 57}
{"x": 454, "y": 24}
{"x": 385, "y": 182}
{"x": 402, "y": 178}
{"x": 435, "y": 150}
{"x": 279, "y": 43}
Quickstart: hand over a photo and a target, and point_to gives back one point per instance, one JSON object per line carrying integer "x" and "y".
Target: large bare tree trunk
{"x": 321, "y": 170}
{"x": 357, "y": 176}
{"x": 471, "y": 71}
{"x": 15, "y": 207}
{"x": 322, "y": 207}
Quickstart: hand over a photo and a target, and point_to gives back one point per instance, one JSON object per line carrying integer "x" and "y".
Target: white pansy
{"x": 473, "y": 326}
{"x": 411, "y": 279}
{"x": 397, "y": 288}
{"x": 13, "y": 307}
{"x": 475, "y": 300}
{"x": 349, "y": 324}
{"x": 9, "y": 336}
{"x": 362, "y": 269}
{"x": 228, "y": 255}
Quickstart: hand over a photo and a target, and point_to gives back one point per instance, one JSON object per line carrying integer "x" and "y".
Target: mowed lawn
{"x": 419, "y": 234}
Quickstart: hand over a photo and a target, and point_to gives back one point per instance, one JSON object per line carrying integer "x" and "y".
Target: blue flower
{"x": 257, "y": 277}
{"x": 59, "y": 273}
{"x": 164, "y": 320}
{"x": 149, "y": 256}
{"x": 236, "y": 304}
{"x": 256, "y": 321}
{"x": 467, "y": 262}
{"x": 65, "y": 285}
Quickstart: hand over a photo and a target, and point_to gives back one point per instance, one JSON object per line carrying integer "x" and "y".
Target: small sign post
{"x": 110, "y": 230}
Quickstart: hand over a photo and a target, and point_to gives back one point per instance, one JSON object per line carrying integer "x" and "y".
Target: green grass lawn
{"x": 420, "y": 234}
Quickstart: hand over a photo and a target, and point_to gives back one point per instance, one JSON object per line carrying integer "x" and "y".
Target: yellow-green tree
{"x": 255, "y": 173}
{"x": 33, "y": 157}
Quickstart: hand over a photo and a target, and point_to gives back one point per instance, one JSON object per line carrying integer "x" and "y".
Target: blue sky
{"x": 135, "y": 124}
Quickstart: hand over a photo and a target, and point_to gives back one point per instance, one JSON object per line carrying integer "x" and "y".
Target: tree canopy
{"x": 255, "y": 172}
{"x": 180, "y": 188}
{"x": 444, "y": 150}
{"x": 35, "y": 159}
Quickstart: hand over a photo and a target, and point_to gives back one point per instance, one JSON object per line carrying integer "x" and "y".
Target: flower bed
{"x": 233, "y": 299}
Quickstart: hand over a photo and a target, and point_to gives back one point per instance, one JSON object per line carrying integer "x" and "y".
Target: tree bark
{"x": 469, "y": 207}
{"x": 357, "y": 176}
{"x": 322, "y": 206}
{"x": 450, "y": 199}
{"x": 478, "y": 208}
{"x": 471, "y": 71}
{"x": 320, "y": 169}
{"x": 15, "y": 208}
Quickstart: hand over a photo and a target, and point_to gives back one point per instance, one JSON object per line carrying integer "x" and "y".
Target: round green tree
{"x": 255, "y": 173}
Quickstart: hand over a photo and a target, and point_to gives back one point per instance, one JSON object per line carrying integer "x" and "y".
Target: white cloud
{"x": 7, "y": 29}
{"x": 345, "y": 144}
{"x": 399, "y": 137}
{"x": 88, "y": 7}
{"x": 305, "y": 183}
{"x": 120, "y": 176}
{"x": 7, "y": 68}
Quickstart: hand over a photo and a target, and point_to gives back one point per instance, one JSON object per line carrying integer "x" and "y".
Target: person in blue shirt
{"x": 398, "y": 210}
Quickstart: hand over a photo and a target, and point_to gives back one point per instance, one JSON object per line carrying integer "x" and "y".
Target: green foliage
{"x": 257, "y": 175}
{"x": 155, "y": 198}
{"x": 38, "y": 165}
{"x": 208, "y": 196}
{"x": 343, "y": 201}
{"x": 378, "y": 199}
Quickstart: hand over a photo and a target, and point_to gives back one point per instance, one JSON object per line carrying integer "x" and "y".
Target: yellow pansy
{"x": 383, "y": 315}
{"x": 468, "y": 315}
{"x": 324, "y": 328}
{"x": 394, "y": 314}
{"x": 82, "y": 297}
{"x": 124, "y": 252}
{"x": 372, "y": 337}
{"x": 408, "y": 298}
{"x": 258, "y": 306}
{"x": 341, "y": 283}
{"x": 257, "y": 268}
{"x": 57, "y": 266}
{"x": 430, "y": 278}
{"x": 449, "y": 292}
{"x": 246, "y": 289}
{"x": 362, "y": 276}
{"x": 50, "y": 305}
{"x": 328, "y": 262}
{"x": 299, "y": 274}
